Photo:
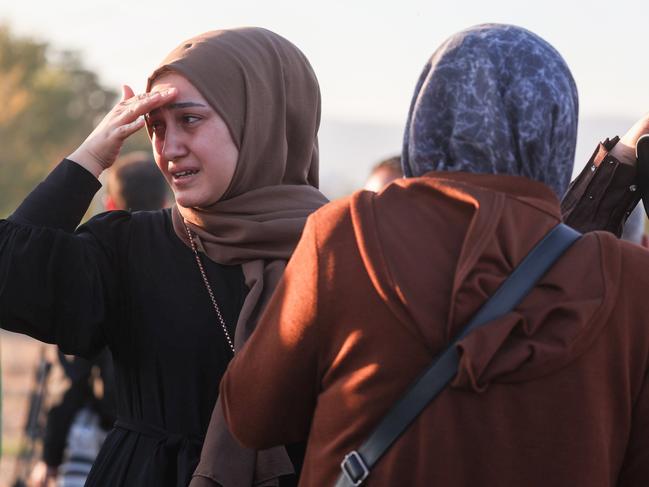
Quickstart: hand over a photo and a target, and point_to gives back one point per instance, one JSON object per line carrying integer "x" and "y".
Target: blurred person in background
{"x": 233, "y": 117}
{"x": 77, "y": 426}
{"x": 383, "y": 173}
{"x": 553, "y": 392}
{"x": 134, "y": 183}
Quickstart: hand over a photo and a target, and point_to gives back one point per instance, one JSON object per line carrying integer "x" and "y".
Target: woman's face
{"x": 191, "y": 144}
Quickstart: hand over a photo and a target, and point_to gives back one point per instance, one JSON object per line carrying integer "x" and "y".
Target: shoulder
{"x": 116, "y": 219}
{"x": 331, "y": 222}
{"x": 158, "y": 219}
{"x": 632, "y": 259}
{"x": 118, "y": 229}
{"x": 634, "y": 262}
{"x": 624, "y": 267}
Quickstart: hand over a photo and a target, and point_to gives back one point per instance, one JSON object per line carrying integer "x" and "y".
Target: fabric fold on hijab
{"x": 265, "y": 90}
{"x": 494, "y": 99}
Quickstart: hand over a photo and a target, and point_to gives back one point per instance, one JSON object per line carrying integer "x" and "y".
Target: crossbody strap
{"x": 358, "y": 464}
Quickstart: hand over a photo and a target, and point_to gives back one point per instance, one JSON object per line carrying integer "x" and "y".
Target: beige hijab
{"x": 265, "y": 90}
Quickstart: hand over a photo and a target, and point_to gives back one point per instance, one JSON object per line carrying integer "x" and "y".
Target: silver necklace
{"x": 209, "y": 288}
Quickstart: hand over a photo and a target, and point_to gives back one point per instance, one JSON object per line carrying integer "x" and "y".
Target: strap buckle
{"x": 354, "y": 468}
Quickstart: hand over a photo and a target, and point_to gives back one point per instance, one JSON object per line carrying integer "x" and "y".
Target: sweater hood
{"x": 437, "y": 247}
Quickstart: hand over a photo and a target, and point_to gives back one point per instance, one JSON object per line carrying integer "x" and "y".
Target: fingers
{"x": 136, "y": 106}
{"x": 129, "y": 129}
{"x": 127, "y": 92}
{"x": 102, "y": 146}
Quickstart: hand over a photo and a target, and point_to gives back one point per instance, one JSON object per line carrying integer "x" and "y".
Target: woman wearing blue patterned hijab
{"x": 494, "y": 99}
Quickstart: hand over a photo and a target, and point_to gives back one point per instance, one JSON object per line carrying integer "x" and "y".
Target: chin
{"x": 187, "y": 200}
{"x": 192, "y": 201}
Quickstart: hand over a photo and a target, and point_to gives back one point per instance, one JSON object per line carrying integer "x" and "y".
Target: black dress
{"x": 126, "y": 281}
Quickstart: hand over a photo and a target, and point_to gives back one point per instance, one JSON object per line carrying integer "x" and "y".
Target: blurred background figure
{"x": 77, "y": 426}
{"x": 383, "y": 173}
{"x": 134, "y": 183}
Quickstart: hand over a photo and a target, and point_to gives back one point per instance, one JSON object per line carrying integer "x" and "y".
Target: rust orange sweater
{"x": 554, "y": 393}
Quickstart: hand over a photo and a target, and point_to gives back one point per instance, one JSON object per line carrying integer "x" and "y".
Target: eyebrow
{"x": 178, "y": 105}
{"x": 184, "y": 104}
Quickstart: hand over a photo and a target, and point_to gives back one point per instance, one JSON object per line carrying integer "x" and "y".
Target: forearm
{"x": 88, "y": 162}
{"x": 604, "y": 193}
{"x": 61, "y": 200}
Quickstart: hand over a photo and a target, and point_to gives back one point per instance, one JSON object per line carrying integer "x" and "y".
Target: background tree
{"x": 50, "y": 103}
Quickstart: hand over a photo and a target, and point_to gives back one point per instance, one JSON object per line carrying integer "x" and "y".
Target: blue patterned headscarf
{"x": 494, "y": 99}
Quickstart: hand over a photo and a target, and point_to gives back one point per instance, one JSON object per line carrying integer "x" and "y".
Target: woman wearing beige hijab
{"x": 233, "y": 118}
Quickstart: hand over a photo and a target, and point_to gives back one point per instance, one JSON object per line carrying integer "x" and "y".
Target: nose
{"x": 174, "y": 146}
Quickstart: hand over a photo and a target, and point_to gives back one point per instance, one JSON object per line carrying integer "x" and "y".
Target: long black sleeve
{"x": 57, "y": 284}
{"x": 603, "y": 195}
{"x": 61, "y": 200}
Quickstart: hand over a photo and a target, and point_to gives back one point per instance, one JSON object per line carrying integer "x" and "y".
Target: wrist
{"x": 87, "y": 161}
{"x": 624, "y": 153}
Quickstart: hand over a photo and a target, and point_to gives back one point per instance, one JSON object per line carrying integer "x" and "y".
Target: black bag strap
{"x": 358, "y": 464}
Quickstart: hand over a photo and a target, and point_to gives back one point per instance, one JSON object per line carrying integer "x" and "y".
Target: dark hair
{"x": 391, "y": 164}
{"x": 136, "y": 183}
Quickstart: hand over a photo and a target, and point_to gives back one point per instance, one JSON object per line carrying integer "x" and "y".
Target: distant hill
{"x": 348, "y": 150}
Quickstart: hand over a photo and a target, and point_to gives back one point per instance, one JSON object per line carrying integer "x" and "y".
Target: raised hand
{"x": 102, "y": 146}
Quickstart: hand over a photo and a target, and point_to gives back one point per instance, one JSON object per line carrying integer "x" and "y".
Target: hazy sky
{"x": 367, "y": 54}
